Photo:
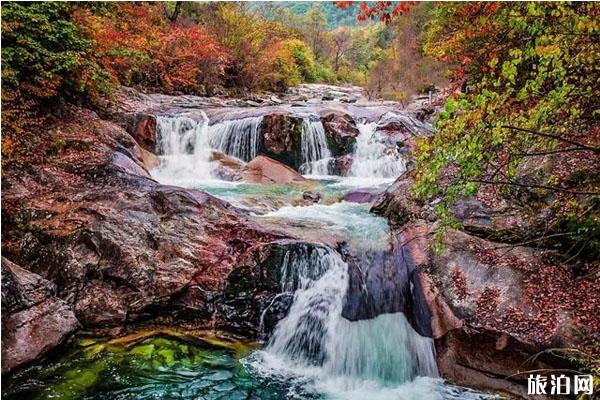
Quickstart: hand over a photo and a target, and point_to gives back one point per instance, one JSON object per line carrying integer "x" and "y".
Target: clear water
{"x": 171, "y": 367}
{"x": 313, "y": 353}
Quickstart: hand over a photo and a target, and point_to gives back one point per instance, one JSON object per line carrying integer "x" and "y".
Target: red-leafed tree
{"x": 383, "y": 10}
{"x": 140, "y": 47}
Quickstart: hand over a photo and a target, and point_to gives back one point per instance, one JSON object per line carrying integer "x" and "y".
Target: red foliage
{"x": 385, "y": 10}
{"x": 459, "y": 281}
{"x": 139, "y": 47}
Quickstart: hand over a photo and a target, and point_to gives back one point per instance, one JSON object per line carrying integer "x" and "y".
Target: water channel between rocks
{"x": 334, "y": 343}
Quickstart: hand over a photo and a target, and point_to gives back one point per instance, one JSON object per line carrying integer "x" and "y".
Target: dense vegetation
{"x": 80, "y": 52}
{"x": 520, "y": 129}
{"x": 532, "y": 100}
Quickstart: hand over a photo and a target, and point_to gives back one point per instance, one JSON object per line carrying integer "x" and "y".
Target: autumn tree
{"x": 341, "y": 42}
{"x": 141, "y": 47}
{"x": 42, "y": 62}
{"x": 316, "y": 30}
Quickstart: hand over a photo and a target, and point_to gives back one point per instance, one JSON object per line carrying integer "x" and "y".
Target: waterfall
{"x": 238, "y": 138}
{"x": 314, "y": 335}
{"x": 184, "y": 148}
{"x": 373, "y": 159}
{"x": 316, "y": 156}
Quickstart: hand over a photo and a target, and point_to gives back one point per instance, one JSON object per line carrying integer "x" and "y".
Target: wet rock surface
{"x": 34, "y": 320}
{"x": 386, "y": 282}
{"x": 265, "y": 170}
{"x": 120, "y": 248}
{"x": 281, "y": 139}
{"x": 341, "y": 133}
{"x": 491, "y": 311}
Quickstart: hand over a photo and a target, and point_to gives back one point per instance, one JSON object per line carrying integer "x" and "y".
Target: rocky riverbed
{"x": 250, "y": 219}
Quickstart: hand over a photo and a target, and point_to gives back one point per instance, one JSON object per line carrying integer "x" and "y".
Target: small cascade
{"x": 314, "y": 335}
{"x": 183, "y": 144}
{"x": 238, "y": 138}
{"x": 316, "y": 157}
{"x": 373, "y": 159}
{"x": 303, "y": 335}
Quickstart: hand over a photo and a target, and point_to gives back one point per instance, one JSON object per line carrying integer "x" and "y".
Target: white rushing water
{"x": 313, "y": 346}
{"x": 238, "y": 138}
{"x": 186, "y": 146}
{"x": 316, "y": 157}
{"x": 183, "y": 144}
{"x": 314, "y": 340}
{"x": 373, "y": 159}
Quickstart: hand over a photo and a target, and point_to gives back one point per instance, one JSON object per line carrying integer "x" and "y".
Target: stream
{"x": 315, "y": 351}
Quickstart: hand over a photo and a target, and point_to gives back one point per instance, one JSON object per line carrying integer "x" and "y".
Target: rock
{"x": 266, "y": 170}
{"x": 341, "y": 133}
{"x": 145, "y": 131}
{"x": 311, "y": 197}
{"x": 127, "y": 165}
{"x": 252, "y": 298}
{"x": 396, "y": 202}
{"x": 34, "y": 321}
{"x": 359, "y": 197}
{"x": 275, "y": 99}
{"x": 425, "y": 114}
{"x": 122, "y": 249}
{"x": 328, "y": 97}
{"x": 342, "y": 165}
{"x": 383, "y": 282}
{"x": 252, "y": 103}
{"x": 489, "y": 310}
{"x": 149, "y": 160}
{"x": 281, "y": 136}
{"x": 228, "y": 168}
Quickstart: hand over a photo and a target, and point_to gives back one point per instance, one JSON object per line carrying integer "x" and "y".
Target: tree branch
{"x": 582, "y": 146}
{"x": 545, "y": 153}
{"x": 531, "y": 186}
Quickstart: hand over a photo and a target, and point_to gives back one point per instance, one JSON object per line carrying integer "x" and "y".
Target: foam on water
{"x": 316, "y": 157}
{"x": 183, "y": 145}
{"x": 349, "y": 219}
{"x": 318, "y": 351}
{"x": 373, "y": 159}
{"x": 238, "y": 138}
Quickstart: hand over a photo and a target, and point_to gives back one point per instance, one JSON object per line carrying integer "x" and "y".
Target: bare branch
{"x": 582, "y": 146}
{"x": 531, "y": 186}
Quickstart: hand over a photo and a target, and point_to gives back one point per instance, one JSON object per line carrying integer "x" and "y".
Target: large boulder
{"x": 266, "y": 170}
{"x": 121, "y": 248}
{"x": 494, "y": 307}
{"x": 341, "y": 133}
{"x": 34, "y": 320}
{"x": 397, "y": 203}
{"x": 227, "y": 168}
{"x": 141, "y": 125}
{"x": 281, "y": 138}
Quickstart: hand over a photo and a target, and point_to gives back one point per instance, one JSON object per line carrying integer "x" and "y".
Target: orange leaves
{"x": 385, "y": 10}
{"x": 138, "y": 47}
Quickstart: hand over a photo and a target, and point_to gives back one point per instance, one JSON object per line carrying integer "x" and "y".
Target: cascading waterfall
{"x": 183, "y": 144}
{"x": 373, "y": 159}
{"x": 238, "y": 138}
{"x": 316, "y": 157}
{"x": 315, "y": 336}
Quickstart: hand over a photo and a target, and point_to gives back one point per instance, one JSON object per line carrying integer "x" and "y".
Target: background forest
{"x": 531, "y": 71}
{"x": 82, "y": 51}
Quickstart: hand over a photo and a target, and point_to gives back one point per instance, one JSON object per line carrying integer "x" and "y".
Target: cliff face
{"x": 497, "y": 302}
